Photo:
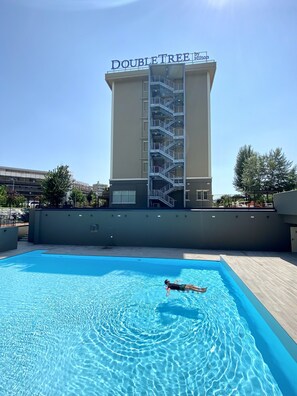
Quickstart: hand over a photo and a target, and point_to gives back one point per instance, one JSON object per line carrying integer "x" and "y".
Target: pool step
{"x": 23, "y": 238}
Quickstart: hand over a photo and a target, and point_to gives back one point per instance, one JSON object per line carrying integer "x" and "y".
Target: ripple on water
{"x": 75, "y": 334}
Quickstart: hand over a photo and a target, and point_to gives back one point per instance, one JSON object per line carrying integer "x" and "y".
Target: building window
{"x": 201, "y": 195}
{"x": 124, "y": 197}
{"x": 145, "y": 108}
{"x": 145, "y": 129}
{"x": 144, "y": 168}
{"x": 145, "y": 146}
{"x": 145, "y": 87}
{"x": 187, "y": 195}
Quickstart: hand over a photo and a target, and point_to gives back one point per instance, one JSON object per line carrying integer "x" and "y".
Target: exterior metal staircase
{"x": 163, "y": 197}
{"x": 166, "y": 147}
{"x": 165, "y": 174}
{"x": 166, "y": 128}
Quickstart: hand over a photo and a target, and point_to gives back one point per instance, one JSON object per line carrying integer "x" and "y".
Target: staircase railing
{"x": 158, "y": 194}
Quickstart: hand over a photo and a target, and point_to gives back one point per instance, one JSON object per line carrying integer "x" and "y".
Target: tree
{"x": 56, "y": 185}
{"x": 280, "y": 174}
{"x": 11, "y": 198}
{"x": 256, "y": 174}
{"x": 243, "y": 155}
{"x": 226, "y": 201}
{"x": 77, "y": 196}
{"x": 3, "y": 196}
{"x": 40, "y": 199}
{"x": 253, "y": 175}
{"x": 105, "y": 196}
{"x": 90, "y": 197}
{"x": 19, "y": 200}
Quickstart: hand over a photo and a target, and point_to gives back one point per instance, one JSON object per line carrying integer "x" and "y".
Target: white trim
{"x": 145, "y": 83}
{"x": 144, "y": 165}
{"x": 199, "y": 178}
{"x": 140, "y": 178}
{"x": 145, "y": 143}
{"x": 145, "y": 108}
{"x": 112, "y": 134}
{"x": 203, "y": 193}
{"x": 185, "y": 137}
{"x": 209, "y": 122}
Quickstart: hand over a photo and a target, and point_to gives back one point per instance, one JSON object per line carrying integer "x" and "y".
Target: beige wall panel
{"x": 197, "y": 125}
{"x": 127, "y": 128}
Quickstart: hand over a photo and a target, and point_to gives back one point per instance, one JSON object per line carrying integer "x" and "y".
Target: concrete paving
{"x": 272, "y": 277}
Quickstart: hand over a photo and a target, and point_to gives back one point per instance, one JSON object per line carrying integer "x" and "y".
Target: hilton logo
{"x": 186, "y": 57}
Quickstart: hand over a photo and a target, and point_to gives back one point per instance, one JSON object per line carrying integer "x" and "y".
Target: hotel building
{"x": 161, "y": 136}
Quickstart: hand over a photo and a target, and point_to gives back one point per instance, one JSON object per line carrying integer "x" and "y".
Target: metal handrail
{"x": 165, "y": 150}
{"x": 163, "y": 80}
{"x": 166, "y": 127}
{"x": 161, "y": 195}
{"x": 176, "y": 86}
{"x": 167, "y": 105}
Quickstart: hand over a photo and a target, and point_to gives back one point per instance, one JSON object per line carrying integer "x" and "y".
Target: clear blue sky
{"x": 55, "y": 107}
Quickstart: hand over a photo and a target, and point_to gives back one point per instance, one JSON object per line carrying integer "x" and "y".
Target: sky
{"x": 55, "y": 106}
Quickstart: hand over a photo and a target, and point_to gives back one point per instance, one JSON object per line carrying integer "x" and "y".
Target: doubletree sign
{"x": 185, "y": 57}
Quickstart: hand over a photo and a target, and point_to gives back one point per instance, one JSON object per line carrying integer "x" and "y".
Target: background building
{"x": 27, "y": 182}
{"x": 161, "y": 137}
{"x": 100, "y": 189}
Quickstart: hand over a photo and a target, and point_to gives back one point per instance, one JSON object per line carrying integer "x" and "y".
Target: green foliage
{"x": 280, "y": 174}
{"x": 3, "y": 196}
{"x": 253, "y": 173}
{"x": 228, "y": 201}
{"x": 56, "y": 185}
{"x": 19, "y": 200}
{"x": 93, "y": 199}
{"x": 243, "y": 155}
{"x": 11, "y": 198}
{"x": 270, "y": 172}
{"x": 90, "y": 197}
{"x": 77, "y": 196}
{"x": 40, "y": 199}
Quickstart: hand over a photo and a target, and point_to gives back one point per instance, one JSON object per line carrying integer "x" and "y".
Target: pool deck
{"x": 272, "y": 277}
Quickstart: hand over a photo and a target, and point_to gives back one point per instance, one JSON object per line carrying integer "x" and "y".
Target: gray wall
{"x": 200, "y": 229}
{"x": 286, "y": 205}
{"x": 8, "y": 238}
{"x": 140, "y": 186}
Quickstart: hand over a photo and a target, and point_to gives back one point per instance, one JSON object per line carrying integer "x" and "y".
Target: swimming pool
{"x": 77, "y": 325}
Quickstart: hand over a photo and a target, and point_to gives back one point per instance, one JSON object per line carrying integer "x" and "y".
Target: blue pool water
{"x": 77, "y": 325}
